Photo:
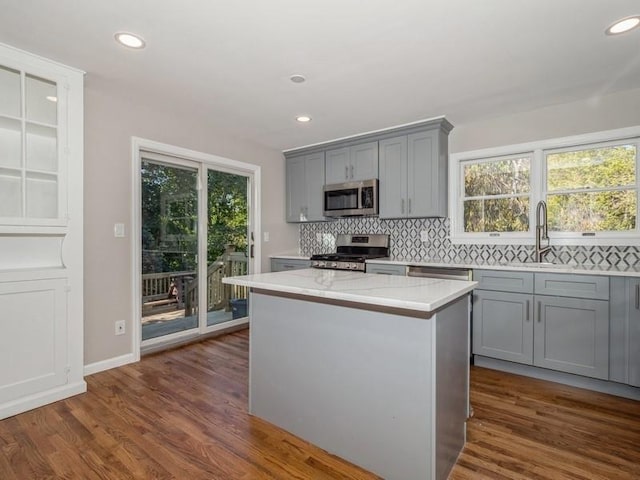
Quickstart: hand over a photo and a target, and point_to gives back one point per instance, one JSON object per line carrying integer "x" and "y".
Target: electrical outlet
{"x": 424, "y": 236}
{"x": 120, "y": 327}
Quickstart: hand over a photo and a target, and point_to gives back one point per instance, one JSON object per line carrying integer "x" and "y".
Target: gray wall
{"x": 112, "y": 117}
{"x": 589, "y": 115}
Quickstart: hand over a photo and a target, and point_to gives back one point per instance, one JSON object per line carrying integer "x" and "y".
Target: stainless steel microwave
{"x": 351, "y": 199}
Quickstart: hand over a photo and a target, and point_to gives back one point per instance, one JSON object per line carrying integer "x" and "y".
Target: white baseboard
{"x": 108, "y": 364}
{"x": 36, "y": 400}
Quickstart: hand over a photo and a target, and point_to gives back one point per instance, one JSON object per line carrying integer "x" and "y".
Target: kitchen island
{"x": 372, "y": 368}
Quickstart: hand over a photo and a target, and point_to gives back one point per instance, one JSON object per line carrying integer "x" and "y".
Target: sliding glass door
{"x": 195, "y": 224}
{"x": 227, "y": 244}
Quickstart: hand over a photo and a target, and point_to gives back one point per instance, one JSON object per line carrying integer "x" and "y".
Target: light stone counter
{"x": 411, "y": 293}
{"x": 585, "y": 269}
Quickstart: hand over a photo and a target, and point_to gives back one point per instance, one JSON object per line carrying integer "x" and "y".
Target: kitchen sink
{"x": 534, "y": 264}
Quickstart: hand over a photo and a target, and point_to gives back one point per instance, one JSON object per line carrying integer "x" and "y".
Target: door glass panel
{"x": 42, "y": 148}
{"x": 169, "y": 249}
{"x": 9, "y": 92}
{"x": 10, "y": 194}
{"x": 42, "y": 196}
{"x": 41, "y": 100}
{"x": 227, "y": 245}
{"x": 10, "y": 143}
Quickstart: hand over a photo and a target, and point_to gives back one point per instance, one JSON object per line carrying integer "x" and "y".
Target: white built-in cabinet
{"x": 41, "y": 156}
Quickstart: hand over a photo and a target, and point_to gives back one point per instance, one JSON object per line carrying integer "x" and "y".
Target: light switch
{"x": 118, "y": 229}
{"x": 265, "y": 236}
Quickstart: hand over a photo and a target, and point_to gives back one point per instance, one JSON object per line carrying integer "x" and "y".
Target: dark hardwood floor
{"x": 182, "y": 414}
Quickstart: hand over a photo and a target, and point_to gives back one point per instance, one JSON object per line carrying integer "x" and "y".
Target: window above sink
{"x": 589, "y": 182}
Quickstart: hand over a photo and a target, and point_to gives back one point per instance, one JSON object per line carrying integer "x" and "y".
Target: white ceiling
{"x": 370, "y": 64}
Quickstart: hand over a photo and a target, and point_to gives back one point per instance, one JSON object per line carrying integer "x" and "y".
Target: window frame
{"x": 538, "y": 189}
{"x": 461, "y": 187}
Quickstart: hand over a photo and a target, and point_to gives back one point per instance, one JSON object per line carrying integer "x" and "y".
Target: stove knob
{"x": 322, "y": 264}
{"x": 334, "y": 265}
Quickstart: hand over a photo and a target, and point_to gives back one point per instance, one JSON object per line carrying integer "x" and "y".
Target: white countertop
{"x": 631, "y": 271}
{"x": 412, "y": 293}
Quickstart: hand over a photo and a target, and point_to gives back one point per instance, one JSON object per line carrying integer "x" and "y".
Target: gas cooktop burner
{"x": 352, "y": 252}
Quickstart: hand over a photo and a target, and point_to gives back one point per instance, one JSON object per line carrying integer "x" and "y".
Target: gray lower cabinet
{"x": 624, "y": 341}
{"x": 283, "y": 264}
{"x": 351, "y": 164}
{"x": 413, "y": 175}
{"x": 305, "y": 181}
{"x": 572, "y": 335}
{"x": 513, "y": 321}
{"x": 503, "y": 325}
{"x": 386, "y": 269}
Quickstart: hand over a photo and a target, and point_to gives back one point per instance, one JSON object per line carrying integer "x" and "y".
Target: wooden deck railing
{"x": 156, "y": 286}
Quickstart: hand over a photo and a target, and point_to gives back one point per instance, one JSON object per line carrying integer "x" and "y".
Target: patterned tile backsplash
{"x": 406, "y": 244}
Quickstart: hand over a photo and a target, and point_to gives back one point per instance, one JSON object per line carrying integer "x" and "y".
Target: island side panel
{"x": 356, "y": 383}
{"x": 452, "y": 383}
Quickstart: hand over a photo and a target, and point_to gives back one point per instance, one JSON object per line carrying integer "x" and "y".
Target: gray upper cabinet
{"x": 413, "y": 175}
{"x": 410, "y": 162}
{"x": 350, "y": 164}
{"x": 305, "y": 180}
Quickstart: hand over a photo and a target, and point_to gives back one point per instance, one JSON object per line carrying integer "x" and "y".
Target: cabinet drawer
{"x": 502, "y": 281}
{"x": 579, "y": 286}
{"x": 280, "y": 264}
{"x": 390, "y": 269}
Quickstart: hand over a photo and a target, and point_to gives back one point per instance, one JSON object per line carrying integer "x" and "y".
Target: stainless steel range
{"x": 352, "y": 251}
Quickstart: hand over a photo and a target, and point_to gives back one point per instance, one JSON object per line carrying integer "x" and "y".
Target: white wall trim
{"x": 535, "y": 150}
{"x": 36, "y": 400}
{"x": 108, "y": 364}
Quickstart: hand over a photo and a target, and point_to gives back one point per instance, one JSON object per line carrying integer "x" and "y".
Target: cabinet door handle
{"x": 409, "y": 205}
{"x": 402, "y": 206}
{"x": 539, "y": 312}
{"x": 351, "y": 171}
{"x": 346, "y": 173}
{"x": 527, "y": 314}
{"x": 637, "y": 296}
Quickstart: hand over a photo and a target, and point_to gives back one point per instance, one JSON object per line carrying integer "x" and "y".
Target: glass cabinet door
{"x": 29, "y": 154}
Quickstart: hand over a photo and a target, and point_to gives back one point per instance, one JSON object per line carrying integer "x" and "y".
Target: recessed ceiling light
{"x": 623, "y": 25}
{"x": 297, "y": 78}
{"x": 130, "y": 40}
{"x": 303, "y": 118}
{"x": 51, "y": 98}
